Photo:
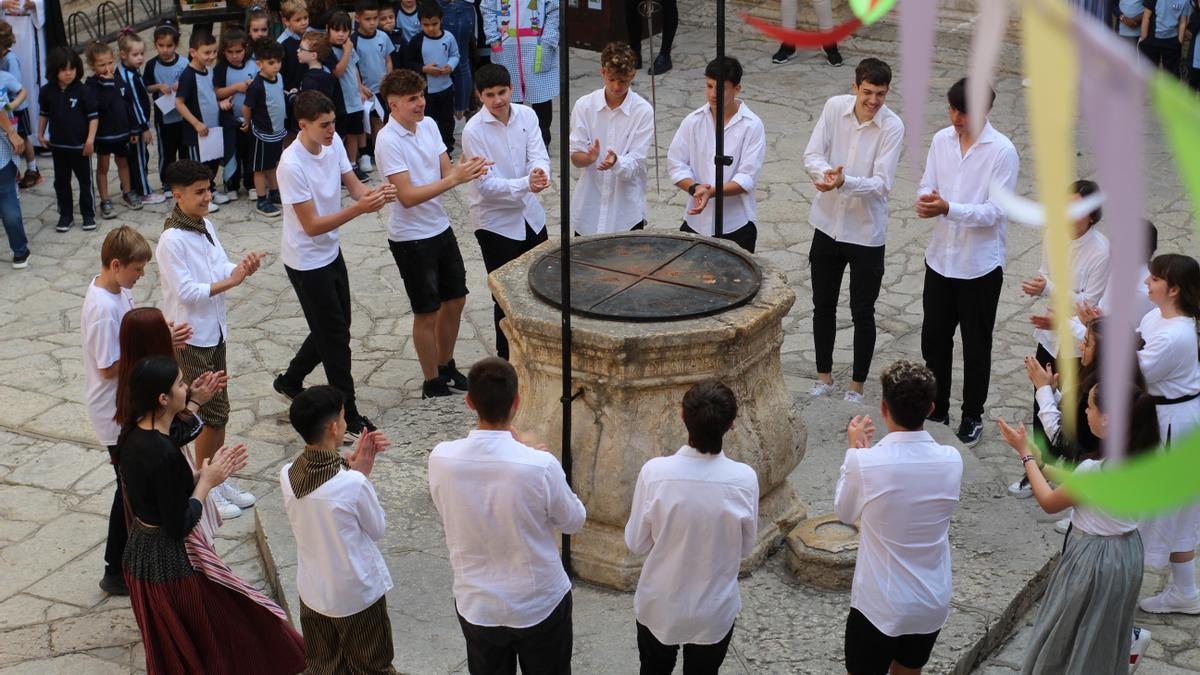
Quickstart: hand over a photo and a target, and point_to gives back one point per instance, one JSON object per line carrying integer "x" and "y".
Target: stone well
{"x": 633, "y": 376}
{"x": 821, "y": 552}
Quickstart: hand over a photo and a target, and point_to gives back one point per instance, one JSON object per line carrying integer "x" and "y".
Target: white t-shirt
{"x": 1168, "y": 360}
{"x": 420, "y": 154}
{"x": 304, "y": 177}
{"x": 1090, "y": 521}
{"x": 100, "y": 324}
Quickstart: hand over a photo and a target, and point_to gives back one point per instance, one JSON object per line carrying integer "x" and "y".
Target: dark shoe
{"x": 360, "y": 174}
{"x": 275, "y": 198}
{"x": 662, "y": 64}
{"x": 785, "y": 54}
{"x": 284, "y": 391}
{"x": 637, "y": 61}
{"x": 63, "y": 226}
{"x": 20, "y": 262}
{"x": 88, "y": 225}
{"x": 453, "y": 378}
{"x": 356, "y": 428}
{"x": 939, "y": 419}
{"x": 435, "y": 388}
{"x": 832, "y": 55}
{"x": 114, "y": 584}
{"x": 30, "y": 179}
{"x": 970, "y": 430}
{"x": 132, "y": 201}
{"x": 266, "y": 208}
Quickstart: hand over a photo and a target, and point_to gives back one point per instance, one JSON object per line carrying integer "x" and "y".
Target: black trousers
{"x": 324, "y": 295}
{"x": 440, "y": 107}
{"x": 951, "y": 304}
{"x": 118, "y": 529}
{"x": 545, "y": 115}
{"x": 542, "y": 649}
{"x": 827, "y": 260}
{"x": 170, "y": 148}
{"x": 745, "y": 236}
{"x": 635, "y": 24}
{"x": 66, "y": 163}
{"x": 139, "y": 160}
{"x": 237, "y": 150}
{"x": 659, "y": 659}
{"x": 497, "y": 252}
{"x": 1164, "y": 52}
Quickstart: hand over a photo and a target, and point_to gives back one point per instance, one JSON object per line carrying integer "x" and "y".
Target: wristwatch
{"x": 691, "y": 190}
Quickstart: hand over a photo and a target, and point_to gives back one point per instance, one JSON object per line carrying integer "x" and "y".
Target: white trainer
{"x": 213, "y": 208}
{"x": 235, "y": 495}
{"x": 364, "y": 163}
{"x": 1171, "y": 601}
{"x": 220, "y": 197}
{"x": 853, "y": 397}
{"x": 1137, "y": 649}
{"x": 1021, "y": 489}
{"x": 821, "y": 389}
{"x": 227, "y": 509}
{"x": 154, "y": 198}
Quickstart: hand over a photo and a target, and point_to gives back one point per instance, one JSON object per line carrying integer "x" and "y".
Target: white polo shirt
{"x": 694, "y": 517}
{"x": 500, "y": 200}
{"x": 420, "y": 154}
{"x": 614, "y": 200}
{"x": 905, "y": 490}
{"x": 305, "y": 177}
{"x": 188, "y": 266}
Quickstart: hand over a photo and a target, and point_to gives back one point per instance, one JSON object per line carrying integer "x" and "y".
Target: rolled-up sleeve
{"x": 754, "y": 149}
{"x": 633, "y": 163}
{"x": 848, "y": 496}
{"x": 566, "y": 513}
{"x": 679, "y": 153}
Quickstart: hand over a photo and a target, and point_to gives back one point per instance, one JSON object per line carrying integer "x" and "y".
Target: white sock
{"x": 31, "y": 165}
{"x": 1184, "y": 577}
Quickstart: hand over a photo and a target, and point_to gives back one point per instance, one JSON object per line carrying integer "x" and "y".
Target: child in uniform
{"x": 373, "y": 47}
{"x": 235, "y": 71}
{"x": 407, "y": 20}
{"x": 69, "y": 110}
{"x": 314, "y": 51}
{"x": 129, "y": 71}
{"x": 434, "y": 52}
{"x": 387, "y": 24}
{"x": 161, "y": 78}
{"x": 343, "y": 63}
{"x": 117, "y": 125}
{"x": 264, "y": 114}
{"x": 196, "y": 100}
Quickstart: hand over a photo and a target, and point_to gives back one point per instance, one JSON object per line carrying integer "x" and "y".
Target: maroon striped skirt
{"x": 193, "y": 624}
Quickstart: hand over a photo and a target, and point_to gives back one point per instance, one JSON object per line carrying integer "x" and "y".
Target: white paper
{"x": 212, "y": 146}
{"x": 165, "y": 103}
{"x": 378, "y": 109}
{"x": 1028, "y": 212}
{"x": 366, "y": 119}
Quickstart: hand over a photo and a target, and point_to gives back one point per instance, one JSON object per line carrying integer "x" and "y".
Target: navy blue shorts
{"x": 264, "y": 155}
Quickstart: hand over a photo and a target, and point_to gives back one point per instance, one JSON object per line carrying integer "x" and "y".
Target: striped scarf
{"x": 181, "y": 221}
{"x": 312, "y": 468}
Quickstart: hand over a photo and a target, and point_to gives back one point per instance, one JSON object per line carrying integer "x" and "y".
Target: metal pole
{"x": 719, "y": 156}
{"x": 564, "y": 233}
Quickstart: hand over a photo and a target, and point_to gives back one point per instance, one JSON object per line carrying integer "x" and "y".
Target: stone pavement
{"x": 56, "y": 484}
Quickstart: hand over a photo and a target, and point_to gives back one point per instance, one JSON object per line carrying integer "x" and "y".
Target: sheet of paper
{"x": 165, "y": 103}
{"x": 378, "y": 110}
{"x": 212, "y": 146}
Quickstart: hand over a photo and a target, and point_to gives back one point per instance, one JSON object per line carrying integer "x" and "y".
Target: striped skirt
{"x": 1084, "y": 625}
{"x": 196, "y": 616}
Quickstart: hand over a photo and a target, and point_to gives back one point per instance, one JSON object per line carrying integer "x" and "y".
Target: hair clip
{"x": 127, "y": 30}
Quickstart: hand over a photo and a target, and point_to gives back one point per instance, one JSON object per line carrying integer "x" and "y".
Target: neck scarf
{"x": 181, "y": 221}
{"x": 312, "y": 468}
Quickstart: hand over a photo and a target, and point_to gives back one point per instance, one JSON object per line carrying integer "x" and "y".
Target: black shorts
{"x": 114, "y": 148}
{"x": 870, "y": 652}
{"x": 265, "y": 154}
{"x": 349, "y": 123}
{"x": 432, "y": 270}
{"x": 24, "y": 126}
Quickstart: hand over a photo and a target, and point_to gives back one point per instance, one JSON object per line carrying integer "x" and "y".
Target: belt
{"x": 1163, "y": 400}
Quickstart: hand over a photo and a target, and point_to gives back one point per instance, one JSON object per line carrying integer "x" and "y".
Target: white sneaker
{"x": 1021, "y": 489}
{"x": 233, "y": 494}
{"x": 364, "y": 163}
{"x": 821, "y": 389}
{"x": 1141, "y": 642}
{"x": 213, "y": 208}
{"x": 252, "y": 194}
{"x": 1064, "y": 524}
{"x": 224, "y": 506}
{"x": 232, "y": 195}
{"x": 154, "y": 198}
{"x": 220, "y": 197}
{"x": 1171, "y": 601}
{"x": 853, "y": 397}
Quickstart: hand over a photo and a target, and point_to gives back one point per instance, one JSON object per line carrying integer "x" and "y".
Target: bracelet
{"x": 1027, "y": 458}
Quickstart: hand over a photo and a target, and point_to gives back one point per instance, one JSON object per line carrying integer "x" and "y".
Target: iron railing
{"x": 110, "y": 19}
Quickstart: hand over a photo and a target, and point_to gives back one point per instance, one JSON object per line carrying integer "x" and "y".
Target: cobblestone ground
{"x": 57, "y": 485}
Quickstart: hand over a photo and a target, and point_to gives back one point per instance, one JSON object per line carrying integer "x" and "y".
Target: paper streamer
{"x": 1112, "y": 98}
{"x": 990, "y": 26}
{"x": 1051, "y": 64}
{"x": 917, "y": 20}
{"x": 1149, "y": 484}
{"x": 804, "y": 39}
{"x": 1179, "y": 114}
{"x": 870, "y": 11}
{"x": 1028, "y": 212}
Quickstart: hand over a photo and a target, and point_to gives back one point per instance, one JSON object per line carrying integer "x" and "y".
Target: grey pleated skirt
{"x": 1085, "y": 622}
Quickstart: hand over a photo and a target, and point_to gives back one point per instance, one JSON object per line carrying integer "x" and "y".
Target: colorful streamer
{"x": 1178, "y": 111}
{"x": 917, "y": 21}
{"x": 1150, "y": 484}
{"x": 870, "y": 11}
{"x": 803, "y": 39}
{"x": 990, "y": 27}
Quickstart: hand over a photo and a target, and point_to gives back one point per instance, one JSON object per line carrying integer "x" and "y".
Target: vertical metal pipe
{"x": 719, "y": 126}
{"x": 564, "y": 233}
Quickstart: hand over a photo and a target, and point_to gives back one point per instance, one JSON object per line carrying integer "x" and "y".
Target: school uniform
{"x": 423, "y": 50}
{"x": 349, "y": 115}
{"x": 397, "y": 54}
{"x": 687, "y": 593}
{"x": 10, "y": 200}
{"x": 503, "y": 505}
{"x": 29, "y": 51}
{"x": 611, "y": 201}
{"x": 291, "y": 69}
{"x": 420, "y": 237}
{"x": 458, "y": 19}
{"x": 237, "y": 171}
{"x": 507, "y": 217}
{"x": 1131, "y": 9}
{"x": 68, "y": 114}
{"x": 1163, "y": 46}
{"x": 117, "y": 122}
{"x": 200, "y": 97}
{"x": 374, "y": 52}
{"x": 170, "y": 124}
{"x": 850, "y": 222}
{"x": 315, "y": 266}
{"x": 964, "y": 262}
{"x": 691, "y": 156}
{"x": 267, "y": 113}
{"x": 139, "y": 103}
{"x": 409, "y": 23}
{"x": 320, "y": 79}
{"x": 25, "y": 126}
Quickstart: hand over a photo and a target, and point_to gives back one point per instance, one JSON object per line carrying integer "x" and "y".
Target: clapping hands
{"x": 369, "y": 445}
{"x": 538, "y": 181}
{"x": 859, "y": 432}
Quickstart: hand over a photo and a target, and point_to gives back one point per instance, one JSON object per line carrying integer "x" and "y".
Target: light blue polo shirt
{"x": 1167, "y": 16}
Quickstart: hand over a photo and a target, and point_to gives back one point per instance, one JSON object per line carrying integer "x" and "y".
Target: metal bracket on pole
{"x": 724, "y": 160}
{"x": 569, "y": 399}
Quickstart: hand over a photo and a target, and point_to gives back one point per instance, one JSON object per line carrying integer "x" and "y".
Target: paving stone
{"x": 58, "y": 467}
{"x": 76, "y": 583}
{"x": 22, "y": 610}
{"x": 60, "y": 541}
{"x": 68, "y": 664}
{"x": 25, "y": 643}
{"x": 98, "y": 629}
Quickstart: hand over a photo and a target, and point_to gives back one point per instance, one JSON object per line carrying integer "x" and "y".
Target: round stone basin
{"x": 821, "y": 552}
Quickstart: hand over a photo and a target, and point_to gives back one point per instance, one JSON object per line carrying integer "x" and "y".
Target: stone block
{"x": 59, "y": 466}
{"x": 821, "y": 552}
{"x": 97, "y": 629}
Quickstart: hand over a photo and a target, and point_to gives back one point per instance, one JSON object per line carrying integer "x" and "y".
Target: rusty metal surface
{"x": 637, "y": 277}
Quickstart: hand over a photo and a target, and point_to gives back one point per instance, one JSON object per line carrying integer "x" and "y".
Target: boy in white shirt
{"x": 311, "y": 173}
{"x": 503, "y": 505}
{"x": 411, "y": 155}
{"x": 694, "y": 517}
{"x": 690, "y": 160}
{"x": 611, "y": 131}
{"x": 964, "y": 262}
{"x": 851, "y": 157}
{"x": 507, "y": 217}
{"x": 195, "y": 273}
{"x": 336, "y": 518}
{"x": 903, "y": 492}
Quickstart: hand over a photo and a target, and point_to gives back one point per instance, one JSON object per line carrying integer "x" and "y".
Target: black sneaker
{"x": 970, "y": 430}
{"x": 63, "y": 226}
{"x": 453, "y": 378}
{"x": 832, "y": 55}
{"x": 939, "y": 419}
{"x": 662, "y": 64}
{"x": 20, "y": 262}
{"x": 275, "y": 198}
{"x": 356, "y": 428}
{"x": 88, "y": 225}
{"x": 435, "y": 388}
{"x": 284, "y": 391}
{"x": 785, "y": 54}
{"x": 360, "y": 174}
{"x": 114, "y": 584}
{"x": 637, "y": 61}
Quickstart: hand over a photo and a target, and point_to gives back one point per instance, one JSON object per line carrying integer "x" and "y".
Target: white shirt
{"x": 904, "y": 489}
{"x": 1091, "y": 521}
{"x": 1141, "y": 303}
{"x": 500, "y": 200}
{"x": 339, "y": 569}
{"x": 969, "y": 241}
{"x": 691, "y": 156}
{"x": 100, "y": 328}
{"x": 420, "y": 154}
{"x": 305, "y": 177}
{"x": 857, "y": 212}
{"x": 1168, "y": 359}
{"x": 696, "y": 516}
{"x": 188, "y": 267}
{"x": 503, "y": 504}
{"x": 614, "y": 200}
{"x": 1089, "y": 278}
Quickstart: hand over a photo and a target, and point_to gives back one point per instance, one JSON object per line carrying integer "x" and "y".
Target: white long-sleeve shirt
{"x": 188, "y": 266}
{"x": 970, "y": 240}
{"x": 503, "y": 504}
{"x": 694, "y": 516}
{"x": 691, "y": 156}
{"x": 1141, "y": 305}
{"x": 1168, "y": 359}
{"x": 904, "y": 490}
{"x": 613, "y": 200}
{"x": 501, "y": 201}
{"x": 339, "y": 569}
{"x": 1089, "y": 278}
{"x": 857, "y": 212}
